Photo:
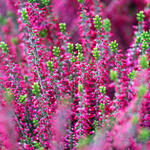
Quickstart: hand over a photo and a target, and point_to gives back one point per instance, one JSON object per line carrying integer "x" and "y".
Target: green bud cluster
{"x": 79, "y": 48}
{"x": 80, "y": 52}
{"x": 106, "y": 25}
{"x": 31, "y": 1}
{"x": 113, "y": 75}
{"x": 36, "y": 89}
{"x": 50, "y": 65}
{"x": 8, "y": 95}
{"x": 135, "y": 119}
{"x": 35, "y": 121}
{"x": 70, "y": 48}
{"x": 143, "y": 61}
{"x": 97, "y": 22}
{"x": 80, "y": 88}
{"x": 132, "y": 74}
{"x": 144, "y": 45}
{"x": 96, "y": 53}
{"x": 140, "y": 16}
{"x": 102, "y": 89}
{"x": 45, "y": 2}
{"x": 73, "y": 59}
{"x": 56, "y": 51}
{"x": 102, "y": 107}
{"x": 138, "y": 40}
{"x": 114, "y": 46}
{"x": 146, "y": 36}
{"x": 144, "y": 135}
{"x": 43, "y": 33}
{"x": 26, "y": 78}
{"x": 22, "y": 98}
{"x": 142, "y": 91}
{"x": 4, "y": 47}
{"x": 81, "y": 1}
{"x": 62, "y": 27}
{"x": 14, "y": 41}
{"x": 24, "y": 15}
{"x": 80, "y": 57}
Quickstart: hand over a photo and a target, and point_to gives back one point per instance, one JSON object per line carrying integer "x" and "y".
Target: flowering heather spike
{"x": 107, "y": 25}
{"x": 140, "y": 16}
{"x": 114, "y": 46}
{"x": 97, "y": 22}
{"x": 143, "y": 61}
{"x": 35, "y": 89}
{"x": 4, "y": 47}
{"x": 62, "y": 27}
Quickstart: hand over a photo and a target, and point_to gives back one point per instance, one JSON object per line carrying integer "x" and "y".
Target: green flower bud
{"x": 14, "y": 41}
{"x": 56, "y": 51}
{"x": 107, "y": 25}
{"x": 36, "y": 89}
{"x": 145, "y": 35}
{"x": 80, "y": 88}
{"x": 98, "y": 22}
{"x": 96, "y": 53}
{"x": 102, "y": 107}
{"x": 26, "y": 78}
{"x": 114, "y": 46}
{"x": 132, "y": 74}
{"x": 79, "y": 48}
{"x": 50, "y": 65}
{"x": 138, "y": 40}
{"x": 102, "y": 89}
{"x": 144, "y": 46}
{"x": 35, "y": 121}
{"x": 80, "y": 57}
{"x": 81, "y": 1}
{"x": 142, "y": 91}
{"x": 113, "y": 75}
{"x": 9, "y": 14}
{"x": 135, "y": 119}
{"x": 43, "y": 33}
{"x": 22, "y": 98}
{"x": 73, "y": 59}
{"x": 140, "y": 16}
{"x": 144, "y": 135}
{"x": 62, "y": 27}
{"x": 24, "y": 15}
{"x": 45, "y": 2}
{"x": 41, "y": 148}
{"x": 4, "y": 47}
{"x": 31, "y": 1}
{"x": 143, "y": 61}
{"x": 8, "y": 95}
{"x": 70, "y": 48}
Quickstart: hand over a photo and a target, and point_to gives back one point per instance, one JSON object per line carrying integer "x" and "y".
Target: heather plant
{"x": 64, "y": 94}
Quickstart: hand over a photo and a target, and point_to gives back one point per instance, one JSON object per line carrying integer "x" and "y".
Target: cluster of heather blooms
{"x": 66, "y": 84}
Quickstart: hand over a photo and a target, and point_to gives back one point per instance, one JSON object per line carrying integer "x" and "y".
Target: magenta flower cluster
{"x": 68, "y": 81}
